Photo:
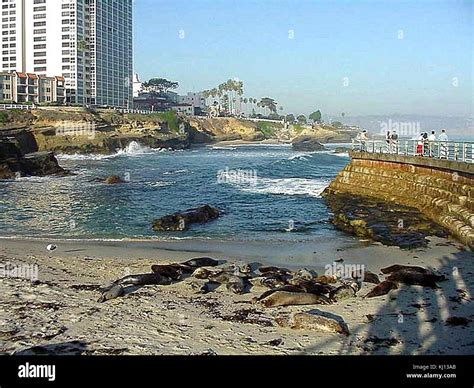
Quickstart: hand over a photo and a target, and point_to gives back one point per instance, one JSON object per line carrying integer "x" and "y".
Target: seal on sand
{"x": 285, "y": 298}
{"x": 416, "y": 278}
{"x": 399, "y": 267}
{"x": 112, "y": 293}
{"x": 172, "y": 271}
{"x": 382, "y": 289}
{"x": 307, "y": 321}
{"x": 143, "y": 280}
{"x": 200, "y": 262}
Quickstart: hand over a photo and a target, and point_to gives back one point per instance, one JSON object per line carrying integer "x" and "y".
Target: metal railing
{"x": 448, "y": 150}
{"x": 16, "y": 106}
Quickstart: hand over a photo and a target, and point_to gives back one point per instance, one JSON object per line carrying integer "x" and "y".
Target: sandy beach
{"x": 59, "y": 313}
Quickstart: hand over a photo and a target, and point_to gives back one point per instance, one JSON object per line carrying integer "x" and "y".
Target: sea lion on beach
{"x": 345, "y": 291}
{"x": 203, "y": 273}
{"x": 311, "y": 286}
{"x": 233, "y": 283}
{"x": 112, "y": 293}
{"x": 267, "y": 282}
{"x": 285, "y": 298}
{"x": 143, "y": 280}
{"x": 236, "y": 284}
{"x": 200, "y": 262}
{"x": 326, "y": 279}
{"x": 274, "y": 270}
{"x": 313, "y": 322}
{"x": 416, "y": 278}
{"x": 369, "y": 277}
{"x": 382, "y": 289}
{"x": 399, "y": 267}
{"x": 171, "y": 271}
{"x": 304, "y": 274}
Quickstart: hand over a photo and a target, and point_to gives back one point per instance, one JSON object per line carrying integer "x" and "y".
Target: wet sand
{"x": 60, "y": 312}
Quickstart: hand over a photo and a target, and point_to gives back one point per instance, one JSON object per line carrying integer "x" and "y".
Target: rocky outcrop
{"x": 386, "y": 222}
{"x": 443, "y": 191}
{"x": 19, "y": 157}
{"x": 307, "y": 143}
{"x": 180, "y": 221}
{"x": 113, "y": 180}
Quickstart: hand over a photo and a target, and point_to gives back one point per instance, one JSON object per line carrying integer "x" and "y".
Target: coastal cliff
{"x": 441, "y": 190}
{"x": 102, "y": 131}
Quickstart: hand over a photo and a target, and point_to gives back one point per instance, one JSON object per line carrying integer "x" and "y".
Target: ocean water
{"x": 266, "y": 192}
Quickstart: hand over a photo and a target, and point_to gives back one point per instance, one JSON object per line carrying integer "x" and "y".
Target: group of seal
{"x": 160, "y": 275}
{"x": 406, "y": 274}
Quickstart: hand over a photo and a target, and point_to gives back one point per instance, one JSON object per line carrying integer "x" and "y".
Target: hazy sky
{"x": 357, "y": 57}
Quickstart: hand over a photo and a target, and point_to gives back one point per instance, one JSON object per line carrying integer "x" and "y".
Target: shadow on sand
{"x": 417, "y": 320}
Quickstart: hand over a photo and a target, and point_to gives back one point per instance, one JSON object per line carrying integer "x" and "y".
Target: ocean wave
{"x": 183, "y": 171}
{"x": 133, "y": 149}
{"x": 224, "y": 148}
{"x": 286, "y": 186}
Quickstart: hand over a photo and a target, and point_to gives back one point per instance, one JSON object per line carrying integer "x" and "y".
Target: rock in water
{"x": 180, "y": 221}
{"x": 313, "y": 322}
{"x": 307, "y": 143}
{"x": 113, "y": 180}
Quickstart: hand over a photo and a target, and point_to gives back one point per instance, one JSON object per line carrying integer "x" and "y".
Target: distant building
{"x": 197, "y": 100}
{"x": 137, "y": 85}
{"x": 186, "y": 109}
{"x": 88, "y": 42}
{"x": 17, "y": 87}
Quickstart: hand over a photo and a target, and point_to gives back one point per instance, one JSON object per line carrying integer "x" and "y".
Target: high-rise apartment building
{"x": 88, "y": 42}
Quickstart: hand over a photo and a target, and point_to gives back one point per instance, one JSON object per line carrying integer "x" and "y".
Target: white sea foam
{"x": 287, "y": 186}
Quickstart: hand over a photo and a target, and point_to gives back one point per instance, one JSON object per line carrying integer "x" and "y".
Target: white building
{"x": 89, "y": 42}
{"x": 197, "y": 100}
{"x": 137, "y": 85}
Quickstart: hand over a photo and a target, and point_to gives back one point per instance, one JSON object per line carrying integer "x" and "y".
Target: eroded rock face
{"x": 18, "y": 156}
{"x": 402, "y": 188}
{"x": 180, "y": 221}
{"x": 388, "y": 223}
{"x": 307, "y": 143}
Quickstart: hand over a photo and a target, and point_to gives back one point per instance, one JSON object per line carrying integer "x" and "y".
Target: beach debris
{"x": 382, "y": 289}
{"x": 457, "y": 321}
{"x": 51, "y": 247}
{"x": 275, "y": 342}
{"x": 181, "y": 221}
{"x": 250, "y": 316}
{"x": 314, "y": 322}
{"x": 375, "y": 343}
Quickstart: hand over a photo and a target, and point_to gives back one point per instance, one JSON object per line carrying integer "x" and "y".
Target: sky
{"x": 356, "y": 57}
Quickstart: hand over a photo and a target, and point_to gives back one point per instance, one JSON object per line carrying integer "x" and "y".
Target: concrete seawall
{"x": 442, "y": 190}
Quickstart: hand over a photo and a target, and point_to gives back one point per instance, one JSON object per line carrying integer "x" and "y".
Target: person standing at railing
{"x": 419, "y": 145}
{"x": 394, "y": 142}
{"x": 388, "y": 140}
{"x": 443, "y": 144}
{"x": 432, "y": 140}
{"x": 362, "y": 139}
{"x": 426, "y": 144}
